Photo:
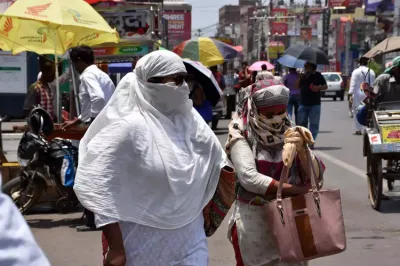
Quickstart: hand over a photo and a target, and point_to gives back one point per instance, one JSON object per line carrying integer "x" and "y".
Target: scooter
{"x": 43, "y": 164}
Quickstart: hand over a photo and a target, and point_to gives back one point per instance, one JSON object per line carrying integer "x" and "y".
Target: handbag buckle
{"x": 280, "y": 209}
{"x": 318, "y": 203}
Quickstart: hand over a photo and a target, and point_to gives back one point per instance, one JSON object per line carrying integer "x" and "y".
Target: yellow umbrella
{"x": 52, "y": 26}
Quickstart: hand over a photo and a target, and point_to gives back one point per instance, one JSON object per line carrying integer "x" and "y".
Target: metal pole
{"x": 305, "y": 19}
{"x": 347, "y": 48}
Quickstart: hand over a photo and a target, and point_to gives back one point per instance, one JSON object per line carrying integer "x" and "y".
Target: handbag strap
{"x": 285, "y": 174}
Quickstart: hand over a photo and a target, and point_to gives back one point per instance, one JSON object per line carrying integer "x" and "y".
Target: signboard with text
{"x": 279, "y": 28}
{"x": 326, "y": 19}
{"x": 373, "y": 7}
{"x": 280, "y": 12}
{"x": 124, "y": 50}
{"x": 179, "y": 26}
{"x": 345, "y": 3}
{"x": 129, "y": 23}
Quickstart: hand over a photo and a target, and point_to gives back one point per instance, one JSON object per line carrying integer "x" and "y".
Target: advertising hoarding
{"x": 280, "y": 25}
{"x": 390, "y": 133}
{"x": 280, "y": 12}
{"x": 306, "y": 33}
{"x": 279, "y": 28}
{"x": 179, "y": 26}
{"x": 128, "y": 23}
{"x": 326, "y": 19}
{"x": 346, "y": 3}
{"x": 136, "y": 50}
{"x": 373, "y": 7}
{"x": 13, "y": 72}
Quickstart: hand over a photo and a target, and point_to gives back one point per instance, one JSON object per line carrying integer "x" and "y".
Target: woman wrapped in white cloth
{"x": 148, "y": 165}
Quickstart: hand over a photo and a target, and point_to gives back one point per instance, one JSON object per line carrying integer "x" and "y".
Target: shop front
{"x": 139, "y": 25}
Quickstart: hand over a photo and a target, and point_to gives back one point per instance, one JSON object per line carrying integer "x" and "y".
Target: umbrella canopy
{"x": 290, "y": 61}
{"x": 308, "y": 54}
{"x": 388, "y": 45}
{"x": 205, "y": 78}
{"x": 97, "y": 1}
{"x": 52, "y": 26}
{"x": 257, "y": 66}
{"x": 208, "y": 51}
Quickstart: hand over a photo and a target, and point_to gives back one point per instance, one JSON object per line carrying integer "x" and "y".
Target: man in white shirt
{"x": 95, "y": 89}
{"x": 17, "y": 244}
{"x": 264, "y": 74}
{"x": 360, "y": 75}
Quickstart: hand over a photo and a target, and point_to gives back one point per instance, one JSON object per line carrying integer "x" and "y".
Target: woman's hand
{"x": 115, "y": 257}
{"x": 116, "y": 254}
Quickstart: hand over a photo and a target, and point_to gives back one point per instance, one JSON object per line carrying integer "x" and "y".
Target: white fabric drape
{"x": 137, "y": 164}
{"x": 17, "y": 244}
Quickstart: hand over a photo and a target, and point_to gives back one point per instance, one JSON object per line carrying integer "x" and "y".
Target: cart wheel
{"x": 64, "y": 205}
{"x": 374, "y": 173}
{"x": 390, "y": 184}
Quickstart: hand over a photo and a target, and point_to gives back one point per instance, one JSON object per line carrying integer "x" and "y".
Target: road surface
{"x": 373, "y": 238}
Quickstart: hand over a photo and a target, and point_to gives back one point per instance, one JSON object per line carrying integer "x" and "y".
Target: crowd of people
{"x": 148, "y": 149}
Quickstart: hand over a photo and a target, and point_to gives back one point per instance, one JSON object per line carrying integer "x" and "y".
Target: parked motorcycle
{"x": 43, "y": 164}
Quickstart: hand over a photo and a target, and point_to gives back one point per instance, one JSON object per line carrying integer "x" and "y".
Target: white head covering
{"x": 149, "y": 157}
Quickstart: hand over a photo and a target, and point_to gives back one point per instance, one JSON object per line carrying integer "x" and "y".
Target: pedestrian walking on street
{"x": 311, "y": 84}
{"x": 200, "y": 102}
{"x": 148, "y": 165}
{"x": 291, "y": 82}
{"x": 218, "y": 77}
{"x": 360, "y": 75}
{"x": 245, "y": 75}
{"x": 264, "y": 74}
{"x": 95, "y": 90}
{"x": 255, "y": 146}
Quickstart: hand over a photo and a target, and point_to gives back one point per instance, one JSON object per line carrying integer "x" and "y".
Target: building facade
{"x": 229, "y": 17}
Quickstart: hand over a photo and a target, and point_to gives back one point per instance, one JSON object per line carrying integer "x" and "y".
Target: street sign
{"x": 326, "y": 18}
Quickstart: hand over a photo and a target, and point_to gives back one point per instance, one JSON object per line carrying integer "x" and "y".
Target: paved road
{"x": 373, "y": 237}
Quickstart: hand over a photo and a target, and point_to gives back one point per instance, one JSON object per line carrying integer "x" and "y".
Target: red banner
{"x": 279, "y": 28}
{"x": 179, "y": 26}
{"x": 280, "y": 12}
{"x": 341, "y": 34}
{"x": 345, "y": 3}
{"x": 306, "y": 33}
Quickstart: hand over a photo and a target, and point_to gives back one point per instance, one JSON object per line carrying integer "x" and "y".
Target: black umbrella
{"x": 205, "y": 78}
{"x": 308, "y": 54}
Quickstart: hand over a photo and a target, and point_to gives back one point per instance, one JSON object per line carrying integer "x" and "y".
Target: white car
{"x": 335, "y": 84}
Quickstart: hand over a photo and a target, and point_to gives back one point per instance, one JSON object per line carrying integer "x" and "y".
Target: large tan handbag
{"x": 308, "y": 226}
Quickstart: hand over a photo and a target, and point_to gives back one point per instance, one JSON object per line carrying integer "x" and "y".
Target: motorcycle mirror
{"x": 40, "y": 122}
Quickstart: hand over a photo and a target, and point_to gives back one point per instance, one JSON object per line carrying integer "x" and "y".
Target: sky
{"x": 205, "y": 13}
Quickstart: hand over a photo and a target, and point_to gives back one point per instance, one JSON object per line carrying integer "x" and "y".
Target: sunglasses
{"x": 177, "y": 79}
